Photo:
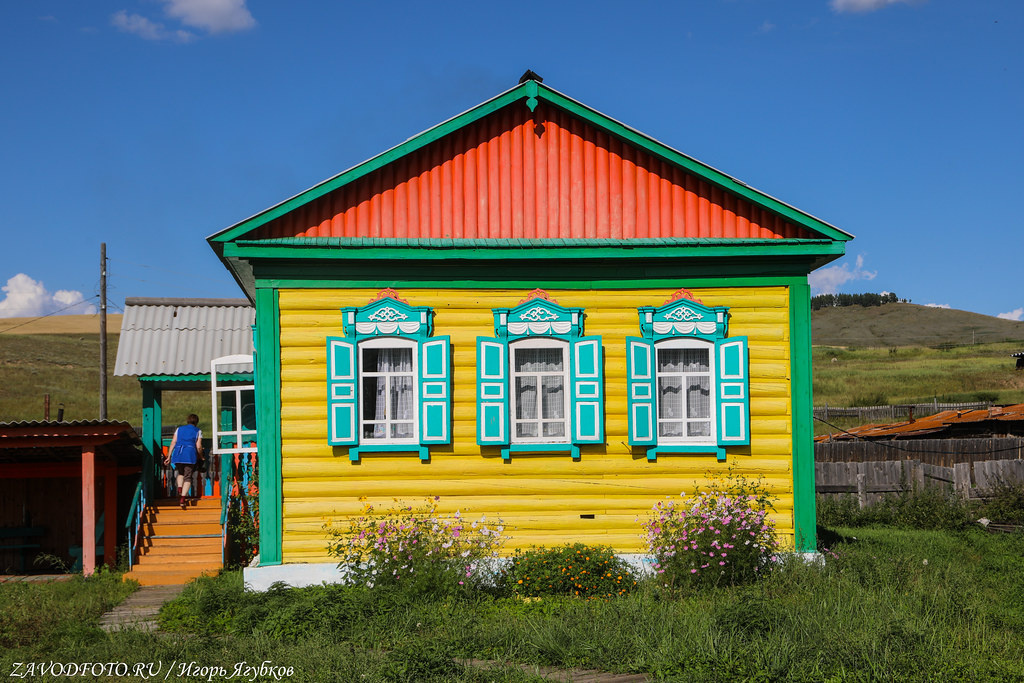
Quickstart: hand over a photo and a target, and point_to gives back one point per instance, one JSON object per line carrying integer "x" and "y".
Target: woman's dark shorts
{"x": 184, "y": 469}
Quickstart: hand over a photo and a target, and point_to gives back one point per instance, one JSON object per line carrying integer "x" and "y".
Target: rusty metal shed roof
{"x": 994, "y": 418}
{"x": 172, "y": 337}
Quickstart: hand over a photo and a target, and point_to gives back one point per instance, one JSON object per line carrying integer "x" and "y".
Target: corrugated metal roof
{"x": 182, "y": 336}
{"x": 521, "y": 174}
{"x": 933, "y": 424}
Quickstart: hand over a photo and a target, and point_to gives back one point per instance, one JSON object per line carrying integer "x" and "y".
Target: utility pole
{"x": 103, "y": 330}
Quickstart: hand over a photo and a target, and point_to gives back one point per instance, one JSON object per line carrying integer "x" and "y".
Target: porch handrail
{"x": 134, "y": 522}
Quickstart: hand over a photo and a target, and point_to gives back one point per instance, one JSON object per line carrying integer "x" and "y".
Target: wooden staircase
{"x": 178, "y": 545}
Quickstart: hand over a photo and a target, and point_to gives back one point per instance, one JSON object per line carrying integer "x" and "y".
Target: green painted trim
{"x": 571, "y": 275}
{"x": 152, "y": 423}
{"x": 268, "y": 423}
{"x": 356, "y": 452}
{"x": 221, "y": 377}
{"x": 624, "y": 250}
{"x": 523, "y": 448}
{"x": 717, "y": 451}
{"x": 652, "y": 283}
{"x": 804, "y": 515}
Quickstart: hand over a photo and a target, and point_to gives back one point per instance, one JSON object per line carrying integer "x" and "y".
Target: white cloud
{"x": 829, "y": 280}
{"x": 766, "y": 27}
{"x": 866, "y": 5}
{"x": 213, "y": 16}
{"x": 27, "y": 298}
{"x": 1016, "y": 314}
{"x": 142, "y": 27}
{"x": 938, "y": 306}
{"x": 209, "y": 16}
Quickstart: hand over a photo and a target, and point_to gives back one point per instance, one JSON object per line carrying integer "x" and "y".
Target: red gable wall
{"x": 530, "y": 175}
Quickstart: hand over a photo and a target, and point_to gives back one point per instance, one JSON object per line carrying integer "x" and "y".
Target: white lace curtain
{"x": 401, "y": 394}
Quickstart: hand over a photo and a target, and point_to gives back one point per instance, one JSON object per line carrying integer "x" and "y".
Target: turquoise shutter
{"x": 733, "y": 389}
{"x": 435, "y": 390}
{"x": 342, "y": 393}
{"x": 640, "y": 383}
{"x": 587, "y": 405}
{"x": 492, "y": 404}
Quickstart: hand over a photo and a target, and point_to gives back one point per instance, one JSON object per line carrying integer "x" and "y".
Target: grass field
{"x": 889, "y": 605}
{"x": 66, "y": 366}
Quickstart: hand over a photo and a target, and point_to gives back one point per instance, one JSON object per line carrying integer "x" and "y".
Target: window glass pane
{"x": 670, "y": 428}
{"x": 553, "y": 397}
{"x": 387, "y": 360}
{"x": 401, "y": 397}
{"x": 698, "y": 396}
{"x": 526, "y": 398}
{"x": 695, "y": 360}
{"x": 554, "y": 428}
{"x": 538, "y": 360}
{"x": 401, "y": 430}
{"x": 698, "y": 429}
{"x": 670, "y": 397}
{"x": 526, "y": 429}
{"x": 670, "y": 360}
{"x": 374, "y": 403}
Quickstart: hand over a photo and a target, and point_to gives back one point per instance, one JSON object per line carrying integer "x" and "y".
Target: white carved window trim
{"x": 244, "y": 440}
{"x": 388, "y": 343}
{"x": 685, "y": 343}
{"x": 540, "y": 343}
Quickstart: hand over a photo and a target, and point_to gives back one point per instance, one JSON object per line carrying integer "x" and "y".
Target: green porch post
{"x": 152, "y": 423}
{"x": 804, "y": 515}
{"x": 268, "y": 422}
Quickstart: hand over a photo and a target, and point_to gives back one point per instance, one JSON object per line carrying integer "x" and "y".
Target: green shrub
{"x": 417, "y": 550}
{"x": 930, "y": 508}
{"x": 576, "y": 570}
{"x": 722, "y": 536}
{"x": 1003, "y": 504}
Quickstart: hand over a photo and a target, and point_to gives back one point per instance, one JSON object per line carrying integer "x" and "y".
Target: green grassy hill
{"x": 67, "y": 367}
{"x": 908, "y": 325}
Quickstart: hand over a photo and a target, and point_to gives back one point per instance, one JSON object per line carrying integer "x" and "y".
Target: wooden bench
{"x": 25, "y": 534}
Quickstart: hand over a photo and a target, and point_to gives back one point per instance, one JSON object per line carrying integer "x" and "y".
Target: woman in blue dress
{"x": 185, "y": 451}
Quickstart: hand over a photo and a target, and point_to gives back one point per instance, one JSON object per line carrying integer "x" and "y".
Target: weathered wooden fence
{"x": 940, "y": 452}
{"x": 871, "y": 481}
{"x": 893, "y": 412}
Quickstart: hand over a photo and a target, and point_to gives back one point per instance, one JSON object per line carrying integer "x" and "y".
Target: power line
{"x": 60, "y": 310}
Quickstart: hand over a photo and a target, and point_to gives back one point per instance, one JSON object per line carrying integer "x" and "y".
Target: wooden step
{"x": 161, "y": 528}
{"x": 167, "y": 577}
{"x": 184, "y": 548}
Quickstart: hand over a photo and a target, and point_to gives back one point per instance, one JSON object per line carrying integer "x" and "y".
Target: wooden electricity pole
{"x": 103, "y": 330}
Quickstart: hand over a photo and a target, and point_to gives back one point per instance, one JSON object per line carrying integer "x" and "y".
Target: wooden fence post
{"x": 862, "y": 491}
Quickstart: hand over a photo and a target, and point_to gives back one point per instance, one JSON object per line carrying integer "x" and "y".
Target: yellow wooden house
{"x": 536, "y": 313}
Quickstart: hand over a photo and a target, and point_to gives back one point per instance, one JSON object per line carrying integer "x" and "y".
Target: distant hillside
{"x": 908, "y": 325}
{"x": 60, "y": 324}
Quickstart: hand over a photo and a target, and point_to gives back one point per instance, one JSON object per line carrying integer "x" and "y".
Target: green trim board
{"x": 570, "y": 275}
{"x": 520, "y": 249}
{"x": 268, "y": 423}
{"x": 804, "y": 514}
{"x": 533, "y": 91}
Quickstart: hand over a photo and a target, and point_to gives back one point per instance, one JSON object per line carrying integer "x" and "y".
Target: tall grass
{"x": 889, "y": 604}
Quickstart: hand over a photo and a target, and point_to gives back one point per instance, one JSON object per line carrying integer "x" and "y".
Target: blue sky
{"x": 151, "y": 124}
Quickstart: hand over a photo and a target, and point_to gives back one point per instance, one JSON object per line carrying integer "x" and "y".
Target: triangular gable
{"x": 535, "y": 164}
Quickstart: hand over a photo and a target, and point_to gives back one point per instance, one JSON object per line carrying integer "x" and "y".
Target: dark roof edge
{"x": 169, "y": 301}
